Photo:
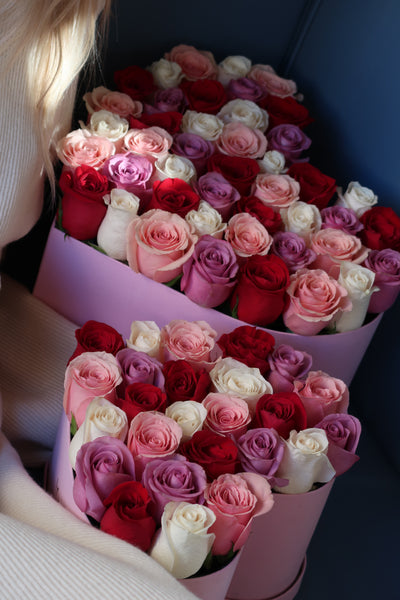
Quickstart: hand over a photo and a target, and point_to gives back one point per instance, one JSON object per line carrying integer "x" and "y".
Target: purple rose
{"x": 174, "y": 480}
{"x": 289, "y": 140}
{"x": 343, "y": 432}
{"x": 170, "y": 99}
{"x": 100, "y": 466}
{"x": 129, "y": 171}
{"x": 386, "y": 266}
{"x": 210, "y": 273}
{"x": 340, "y": 217}
{"x": 292, "y": 249}
{"x": 261, "y": 451}
{"x": 245, "y": 89}
{"x": 217, "y": 191}
{"x": 195, "y": 148}
{"x": 287, "y": 365}
{"x": 138, "y": 367}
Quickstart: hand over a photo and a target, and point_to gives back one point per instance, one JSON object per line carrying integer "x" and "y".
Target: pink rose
{"x": 247, "y": 235}
{"x": 195, "y": 64}
{"x": 333, "y": 245}
{"x": 237, "y": 139}
{"x": 193, "y": 341}
{"x": 315, "y": 299}
{"x": 226, "y": 414}
{"x": 265, "y": 76}
{"x": 152, "y": 142}
{"x": 158, "y": 244}
{"x": 87, "y": 376}
{"x": 80, "y": 147}
{"x": 322, "y": 395}
{"x": 100, "y": 98}
{"x": 276, "y": 191}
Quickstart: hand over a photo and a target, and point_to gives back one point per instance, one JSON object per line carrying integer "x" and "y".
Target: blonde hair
{"x": 57, "y": 37}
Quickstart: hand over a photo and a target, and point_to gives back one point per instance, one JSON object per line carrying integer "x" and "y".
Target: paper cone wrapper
{"x": 272, "y": 560}
{"x": 81, "y": 283}
{"x": 213, "y": 586}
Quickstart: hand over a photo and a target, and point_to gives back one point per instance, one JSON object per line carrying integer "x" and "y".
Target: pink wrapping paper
{"x": 213, "y": 586}
{"x": 81, "y": 283}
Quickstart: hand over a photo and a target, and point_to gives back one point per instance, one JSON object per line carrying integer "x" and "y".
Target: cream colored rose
{"x": 145, "y": 337}
{"x": 209, "y": 127}
{"x": 357, "y": 197}
{"x": 302, "y": 218}
{"x": 101, "y": 98}
{"x": 245, "y": 111}
{"x": 102, "y": 419}
{"x": 175, "y": 167}
{"x": 206, "y": 220}
{"x": 166, "y": 74}
{"x": 233, "y": 67}
{"x": 189, "y": 415}
{"x": 111, "y": 236}
{"x": 182, "y": 543}
{"x": 230, "y": 376}
{"x": 359, "y": 283}
{"x": 106, "y": 124}
{"x": 272, "y": 162}
{"x": 305, "y": 461}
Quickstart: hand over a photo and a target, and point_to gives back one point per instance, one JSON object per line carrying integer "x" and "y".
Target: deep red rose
{"x": 240, "y": 172}
{"x": 205, "y": 95}
{"x": 216, "y": 453}
{"x": 141, "y": 397}
{"x": 136, "y": 123}
{"x": 170, "y": 121}
{"x": 315, "y": 187}
{"x": 82, "y": 204}
{"x": 285, "y": 110}
{"x": 138, "y": 83}
{"x": 95, "y": 336}
{"x": 259, "y": 296}
{"x": 128, "y": 515}
{"x": 381, "y": 228}
{"x": 248, "y": 344}
{"x": 282, "y": 411}
{"x": 270, "y": 218}
{"x": 182, "y": 382}
{"x": 175, "y": 196}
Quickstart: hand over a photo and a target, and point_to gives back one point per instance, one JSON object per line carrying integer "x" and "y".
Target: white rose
{"x": 111, "y": 236}
{"x": 230, "y": 376}
{"x": 301, "y": 218}
{"x": 206, "y": 220}
{"x": 272, "y": 162}
{"x": 166, "y": 74}
{"x": 357, "y": 197}
{"x": 245, "y": 111}
{"x": 107, "y": 124}
{"x": 175, "y": 167}
{"x": 103, "y": 418}
{"x": 305, "y": 461}
{"x": 189, "y": 415}
{"x": 209, "y": 127}
{"x": 182, "y": 543}
{"x": 233, "y": 67}
{"x": 359, "y": 283}
{"x": 145, "y": 337}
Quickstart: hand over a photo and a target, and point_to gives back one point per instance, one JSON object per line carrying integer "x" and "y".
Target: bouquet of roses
{"x": 178, "y": 437}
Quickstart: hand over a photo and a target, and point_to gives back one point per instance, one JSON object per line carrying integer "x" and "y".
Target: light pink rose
{"x": 247, "y": 235}
{"x": 271, "y": 82}
{"x": 240, "y": 140}
{"x": 101, "y": 98}
{"x": 315, "y": 301}
{"x": 333, "y": 245}
{"x": 322, "y": 395}
{"x": 152, "y": 142}
{"x": 193, "y": 341}
{"x": 158, "y": 244}
{"x": 276, "y": 191}
{"x": 89, "y": 375}
{"x": 195, "y": 64}
{"x": 227, "y": 415}
{"x": 80, "y": 147}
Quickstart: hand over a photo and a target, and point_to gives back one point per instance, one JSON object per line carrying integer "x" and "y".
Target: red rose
{"x": 315, "y": 187}
{"x": 205, "y": 95}
{"x": 381, "y": 228}
{"x": 82, "y": 204}
{"x": 248, "y": 344}
{"x": 175, "y": 196}
{"x": 128, "y": 515}
{"x": 260, "y": 293}
{"x": 285, "y": 110}
{"x": 95, "y": 336}
{"x": 216, "y": 453}
{"x": 182, "y": 382}
{"x": 141, "y": 397}
{"x": 134, "y": 81}
{"x": 170, "y": 121}
{"x": 282, "y": 411}
{"x": 270, "y": 218}
{"x": 240, "y": 172}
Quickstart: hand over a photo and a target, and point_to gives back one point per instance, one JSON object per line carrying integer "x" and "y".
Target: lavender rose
{"x": 290, "y": 140}
{"x": 245, "y": 89}
{"x": 138, "y": 367}
{"x": 292, "y": 249}
{"x": 210, "y": 273}
{"x": 129, "y": 172}
{"x": 170, "y": 99}
{"x": 261, "y": 451}
{"x": 340, "y": 217}
{"x": 287, "y": 365}
{"x": 195, "y": 148}
{"x": 343, "y": 432}
{"x": 174, "y": 480}
{"x": 217, "y": 191}
{"x": 386, "y": 266}
{"x": 100, "y": 466}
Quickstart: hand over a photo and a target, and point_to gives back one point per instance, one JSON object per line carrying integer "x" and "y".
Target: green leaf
{"x": 73, "y": 427}
{"x": 174, "y": 281}
{"x": 235, "y": 308}
{"x": 96, "y": 247}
